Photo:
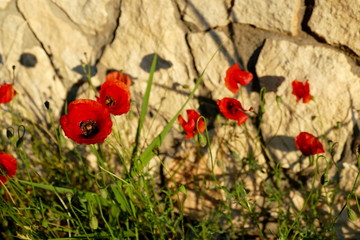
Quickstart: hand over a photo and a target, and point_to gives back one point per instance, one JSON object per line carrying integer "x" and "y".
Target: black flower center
{"x": 109, "y": 101}
{"x": 89, "y": 128}
{"x": 232, "y": 108}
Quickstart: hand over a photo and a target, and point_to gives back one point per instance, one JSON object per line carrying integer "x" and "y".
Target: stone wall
{"x": 277, "y": 40}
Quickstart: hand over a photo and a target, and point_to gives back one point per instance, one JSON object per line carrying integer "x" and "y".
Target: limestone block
{"x": 218, "y": 45}
{"x": 4, "y": 4}
{"x": 278, "y": 15}
{"x": 334, "y": 85}
{"x": 202, "y": 14}
{"x": 338, "y": 22}
{"x": 91, "y": 16}
{"x": 61, "y": 34}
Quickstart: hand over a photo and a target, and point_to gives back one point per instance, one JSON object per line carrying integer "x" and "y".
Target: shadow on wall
{"x": 271, "y": 82}
{"x": 84, "y": 69}
{"x": 28, "y": 60}
{"x": 146, "y": 62}
{"x": 283, "y": 143}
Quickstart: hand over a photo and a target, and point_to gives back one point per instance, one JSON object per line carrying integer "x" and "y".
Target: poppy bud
{"x": 202, "y": 140}
{"x": 47, "y": 105}
{"x": 351, "y": 214}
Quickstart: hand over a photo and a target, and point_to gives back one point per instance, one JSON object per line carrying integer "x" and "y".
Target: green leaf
{"x": 86, "y": 195}
{"x": 45, "y": 223}
{"x": 120, "y": 198}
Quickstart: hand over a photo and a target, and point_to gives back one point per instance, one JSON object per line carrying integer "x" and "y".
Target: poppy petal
{"x": 8, "y": 166}
{"x": 308, "y": 144}
{"x": 301, "y": 91}
{"x": 235, "y": 76}
{"x": 232, "y": 109}
{"x": 190, "y": 127}
{"x": 7, "y": 93}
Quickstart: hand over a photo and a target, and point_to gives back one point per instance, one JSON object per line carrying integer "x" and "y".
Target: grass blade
{"x": 144, "y": 107}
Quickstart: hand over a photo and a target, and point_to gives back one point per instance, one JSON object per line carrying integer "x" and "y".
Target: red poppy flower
{"x": 232, "y": 109}
{"x": 308, "y": 144}
{"x": 115, "y": 97}
{"x": 87, "y": 122}
{"x": 190, "y": 126}
{"x": 119, "y": 77}
{"x": 301, "y": 91}
{"x": 7, "y": 166}
{"x": 235, "y": 76}
{"x": 6, "y": 93}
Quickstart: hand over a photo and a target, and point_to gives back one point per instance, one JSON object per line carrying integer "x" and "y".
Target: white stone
{"x": 338, "y": 22}
{"x": 279, "y": 15}
{"x": 297, "y": 199}
{"x": 4, "y": 3}
{"x": 92, "y": 16}
{"x": 204, "y": 14}
{"x": 333, "y": 84}
{"x": 62, "y": 37}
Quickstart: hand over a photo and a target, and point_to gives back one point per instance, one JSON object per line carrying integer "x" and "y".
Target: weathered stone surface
{"x": 4, "y": 4}
{"x": 338, "y": 22}
{"x": 62, "y": 36}
{"x": 203, "y": 47}
{"x": 283, "y": 15}
{"x": 333, "y": 83}
{"x": 91, "y": 16}
{"x": 218, "y": 45}
{"x": 201, "y": 15}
